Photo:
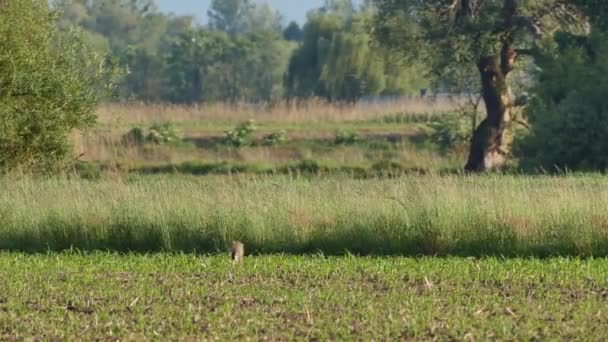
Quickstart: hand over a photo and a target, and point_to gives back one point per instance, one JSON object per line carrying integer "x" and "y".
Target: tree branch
{"x": 523, "y": 123}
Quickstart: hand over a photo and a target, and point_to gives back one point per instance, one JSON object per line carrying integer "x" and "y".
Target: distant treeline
{"x": 244, "y": 52}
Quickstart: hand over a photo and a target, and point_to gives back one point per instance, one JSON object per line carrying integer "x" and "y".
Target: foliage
{"x": 134, "y": 32}
{"x": 211, "y": 66}
{"x": 453, "y": 37}
{"x": 243, "y": 54}
{"x": 161, "y": 134}
{"x": 275, "y": 138}
{"x": 237, "y": 17}
{"x": 597, "y": 11}
{"x": 293, "y": 32}
{"x": 568, "y": 114}
{"x": 338, "y": 61}
{"x": 346, "y": 137}
{"x": 134, "y": 137}
{"x": 50, "y": 83}
{"x": 229, "y": 15}
{"x": 242, "y": 135}
{"x": 240, "y": 57}
{"x": 452, "y": 132}
{"x": 157, "y": 134}
{"x": 491, "y": 35}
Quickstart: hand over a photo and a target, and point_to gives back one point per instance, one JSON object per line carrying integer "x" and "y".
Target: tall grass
{"x": 304, "y": 122}
{"x": 428, "y": 215}
{"x": 312, "y": 110}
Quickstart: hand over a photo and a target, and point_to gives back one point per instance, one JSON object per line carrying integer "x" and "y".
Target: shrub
{"x": 162, "y": 134}
{"x": 242, "y": 135}
{"x": 452, "y": 132}
{"x": 135, "y": 137}
{"x": 347, "y": 138}
{"x": 568, "y": 113}
{"x": 276, "y": 138}
{"x": 50, "y": 83}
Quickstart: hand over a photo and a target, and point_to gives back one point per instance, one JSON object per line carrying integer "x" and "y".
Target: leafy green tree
{"x": 338, "y": 61}
{"x": 186, "y": 59}
{"x": 597, "y": 11}
{"x": 568, "y": 112}
{"x": 76, "y": 13}
{"x": 264, "y": 19}
{"x": 134, "y": 31}
{"x": 242, "y": 16}
{"x": 50, "y": 83}
{"x": 258, "y": 62}
{"x": 122, "y": 22}
{"x": 293, "y": 32}
{"x": 491, "y": 34}
{"x": 343, "y": 8}
{"x": 306, "y": 64}
{"x": 229, "y": 16}
{"x": 213, "y": 66}
{"x": 354, "y": 67}
{"x": 568, "y": 116}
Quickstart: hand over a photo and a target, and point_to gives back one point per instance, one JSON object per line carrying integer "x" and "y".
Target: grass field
{"x": 399, "y": 132}
{"x": 358, "y": 227}
{"x": 417, "y": 215}
{"x": 300, "y": 112}
{"x": 185, "y": 297}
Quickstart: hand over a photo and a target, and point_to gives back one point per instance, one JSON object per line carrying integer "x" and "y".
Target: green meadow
{"x": 432, "y": 215}
{"x": 73, "y": 296}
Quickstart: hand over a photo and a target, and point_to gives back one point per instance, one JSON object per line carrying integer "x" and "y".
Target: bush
{"x": 50, "y": 84}
{"x": 276, "y": 138}
{"x": 242, "y": 135}
{"x": 568, "y": 113}
{"x": 347, "y": 138}
{"x": 135, "y": 137}
{"x": 452, "y": 132}
{"x": 162, "y": 134}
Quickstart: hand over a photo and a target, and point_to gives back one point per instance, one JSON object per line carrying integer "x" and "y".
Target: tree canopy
{"x": 338, "y": 60}
{"x": 50, "y": 83}
{"x": 491, "y": 34}
{"x": 567, "y": 113}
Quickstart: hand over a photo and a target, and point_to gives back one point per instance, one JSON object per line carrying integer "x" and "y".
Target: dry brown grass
{"x": 303, "y": 120}
{"x": 313, "y": 110}
{"x": 108, "y": 150}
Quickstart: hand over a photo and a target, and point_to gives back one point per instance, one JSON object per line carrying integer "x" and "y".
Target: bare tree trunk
{"x": 489, "y": 147}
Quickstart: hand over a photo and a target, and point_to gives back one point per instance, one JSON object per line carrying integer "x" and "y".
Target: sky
{"x": 291, "y": 9}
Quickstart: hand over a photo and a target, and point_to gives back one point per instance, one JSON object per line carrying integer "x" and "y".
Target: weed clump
{"x": 276, "y": 138}
{"x": 157, "y": 134}
{"x": 242, "y": 135}
{"x": 347, "y": 138}
{"x": 162, "y": 134}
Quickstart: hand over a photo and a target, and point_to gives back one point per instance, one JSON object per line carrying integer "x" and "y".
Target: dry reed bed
{"x": 303, "y": 120}
{"x": 430, "y": 215}
{"x": 312, "y": 110}
{"x": 109, "y": 150}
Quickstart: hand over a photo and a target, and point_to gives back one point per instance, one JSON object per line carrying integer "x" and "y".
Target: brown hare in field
{"x": 238, "y": 252}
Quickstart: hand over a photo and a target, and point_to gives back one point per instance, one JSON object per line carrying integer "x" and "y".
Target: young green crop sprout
{"x": 238, "y": 252}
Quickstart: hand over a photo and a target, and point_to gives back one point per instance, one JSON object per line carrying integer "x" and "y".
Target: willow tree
{"x": 50, "y": 83}
{"x": 491, "y": 34}
{"x": 339, "y": 61}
